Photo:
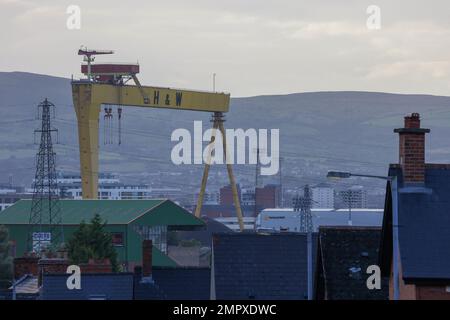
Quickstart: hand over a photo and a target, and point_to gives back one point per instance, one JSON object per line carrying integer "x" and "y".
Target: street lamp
{"x": 394, "y": 194}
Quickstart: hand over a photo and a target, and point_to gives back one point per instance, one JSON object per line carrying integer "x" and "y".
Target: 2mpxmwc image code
{"x": 224, "y": 159}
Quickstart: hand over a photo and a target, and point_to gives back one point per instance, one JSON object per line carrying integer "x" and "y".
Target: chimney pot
{"x": 412, "y": 121}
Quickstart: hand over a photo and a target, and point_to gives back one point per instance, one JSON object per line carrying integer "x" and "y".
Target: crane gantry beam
{"x": 89, "y": 95}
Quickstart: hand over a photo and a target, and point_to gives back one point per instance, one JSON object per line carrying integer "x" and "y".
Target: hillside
{"x": 319, "y": 131}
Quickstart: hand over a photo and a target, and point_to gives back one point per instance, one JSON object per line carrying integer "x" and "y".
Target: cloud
{"x": 254, "y": 47}
{"x": 313, "y": 30}
{"x": 40, "y": 13}
{"x": 16, "y": 3}
{"x": 410, "y": 70}
{"x": 239, "y": 19}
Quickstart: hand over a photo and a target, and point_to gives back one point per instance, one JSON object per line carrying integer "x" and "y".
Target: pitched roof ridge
{"x": 147, "y": 210}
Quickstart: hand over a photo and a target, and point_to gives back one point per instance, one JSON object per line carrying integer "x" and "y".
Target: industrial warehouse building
{"x": 129, "y": 221}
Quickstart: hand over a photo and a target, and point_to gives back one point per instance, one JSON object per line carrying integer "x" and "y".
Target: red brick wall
{"x": 147, "y": 247}
{"x": 226, "y": 195}
{"x": 94, "y": 266}
{"x": 412, "y": 156}
{"x": 51, "y": 266}
{"x": 25, "y": 265}
{"x": 412, "y": 149}
{"x": 267, "y": 197}
{"x": 418, "y": 292}
{"x": 432, "y": 293}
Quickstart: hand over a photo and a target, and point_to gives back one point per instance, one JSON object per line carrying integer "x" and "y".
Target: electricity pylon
{"x": 45, "y": 227}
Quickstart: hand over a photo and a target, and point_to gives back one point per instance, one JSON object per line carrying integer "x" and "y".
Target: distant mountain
{"x": 319, "y": 131}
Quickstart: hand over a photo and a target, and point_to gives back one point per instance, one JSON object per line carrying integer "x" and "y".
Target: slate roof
{"x": 261, "y": 266}
{"x": 108, "y": 286}
{"x": 158, "y": 212}
{"x": 343, "y": 257}
{"x": 424, "y": 226}
{"x": 179, "y": 283}
{"x": 147, "y": 290}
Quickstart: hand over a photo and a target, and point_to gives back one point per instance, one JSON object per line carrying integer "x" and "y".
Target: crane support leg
{"x": 198, "y": 207}
{"x": 218, "y": 124}
{"x": 88, "y": 122}
{"x": 237, "y": 203}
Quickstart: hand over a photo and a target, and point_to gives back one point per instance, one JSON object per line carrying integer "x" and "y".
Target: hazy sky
{"x": 254, "y": 46}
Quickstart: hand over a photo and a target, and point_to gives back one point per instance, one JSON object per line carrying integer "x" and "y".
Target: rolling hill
{"x": 318, "y": 131}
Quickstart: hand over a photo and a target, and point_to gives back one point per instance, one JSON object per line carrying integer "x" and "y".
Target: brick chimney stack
{"x": 412, "y": 149}
{"x": 147, "y": 247}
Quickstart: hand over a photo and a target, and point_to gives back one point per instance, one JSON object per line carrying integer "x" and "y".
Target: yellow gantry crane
{"x": 107, "y": 84}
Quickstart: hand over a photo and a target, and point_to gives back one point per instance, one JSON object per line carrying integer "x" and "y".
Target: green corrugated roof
{"x": 159, "y": 259}
{"x": 113, "y": 211}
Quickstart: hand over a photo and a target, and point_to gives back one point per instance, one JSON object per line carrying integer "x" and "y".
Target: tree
{"x": 92, "y": 241}
{"x": 6, "y": 265}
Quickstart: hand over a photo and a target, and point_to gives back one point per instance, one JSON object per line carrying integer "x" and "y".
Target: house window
{"x": 117, "y": 238}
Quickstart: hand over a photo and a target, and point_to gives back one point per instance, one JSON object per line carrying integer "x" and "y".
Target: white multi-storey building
{"x": 10, "y": 195}
{"x": 323, "y": 197}
{"x": 110, "y": 188}
{"x": 354, "y": 197}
